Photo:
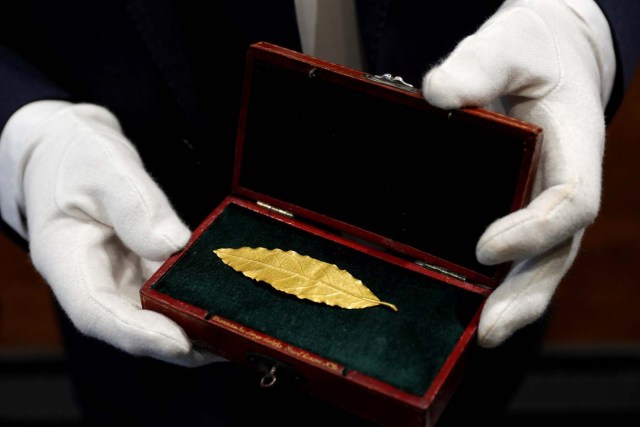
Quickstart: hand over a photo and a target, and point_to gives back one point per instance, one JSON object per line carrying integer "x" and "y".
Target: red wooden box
{"x": 359, "y": 171}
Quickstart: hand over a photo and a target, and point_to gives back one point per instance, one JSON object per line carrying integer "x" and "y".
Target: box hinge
{"x": 391, "y": 80}
{"x": 274, "y": 209}
{"x": 441, "y": 270}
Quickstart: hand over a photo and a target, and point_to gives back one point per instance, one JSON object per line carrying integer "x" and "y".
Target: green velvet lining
{"x": 405, "y": 349}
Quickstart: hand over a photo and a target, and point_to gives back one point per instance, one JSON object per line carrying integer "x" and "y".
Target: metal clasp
{"x": 391, "y": 80}
{"x": 269, "y": 378}
{"x": 268, "y": 367}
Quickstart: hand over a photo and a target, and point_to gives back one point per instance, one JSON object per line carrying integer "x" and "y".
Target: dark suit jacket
{"x": 161, "y": 66}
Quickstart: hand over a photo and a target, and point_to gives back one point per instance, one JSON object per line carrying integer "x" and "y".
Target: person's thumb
{"x": 491, "y": 63}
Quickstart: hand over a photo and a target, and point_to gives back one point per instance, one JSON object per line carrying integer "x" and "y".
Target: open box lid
{"x": 374, "y": 161}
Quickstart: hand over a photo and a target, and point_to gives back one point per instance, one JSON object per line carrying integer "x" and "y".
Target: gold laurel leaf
{"x": 302, "y": 276}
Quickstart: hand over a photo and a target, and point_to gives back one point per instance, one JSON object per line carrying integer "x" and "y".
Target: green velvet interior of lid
{"x": 404, "y": 348}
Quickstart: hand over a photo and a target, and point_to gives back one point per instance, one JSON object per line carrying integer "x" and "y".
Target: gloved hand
{"x": 551, "y": 63}
{"x": 98, "y": 225}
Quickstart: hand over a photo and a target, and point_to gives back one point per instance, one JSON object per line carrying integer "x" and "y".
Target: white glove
{"x": 549, "y": 62}
{"x": 98, "y": 225}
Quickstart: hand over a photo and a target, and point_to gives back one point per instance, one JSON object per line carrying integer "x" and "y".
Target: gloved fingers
{"x": 96, "y": 283}
{"x": 490, "y": 63}
{"x": 552, "y": 80}
{"x": 525, "y": 293}
{"x": 101, "y": 177}
{"x": 567, "y": 188}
